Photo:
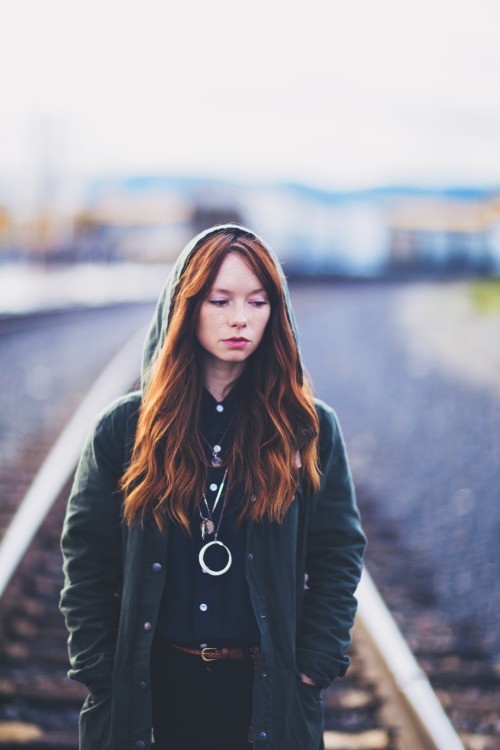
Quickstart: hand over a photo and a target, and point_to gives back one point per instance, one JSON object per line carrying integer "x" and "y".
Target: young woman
{"x": 212, "y": 543}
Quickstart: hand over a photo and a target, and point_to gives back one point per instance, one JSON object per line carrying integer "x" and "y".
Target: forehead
{"x": 234, "y": 272}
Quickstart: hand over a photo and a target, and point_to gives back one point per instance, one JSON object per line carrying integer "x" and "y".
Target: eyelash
{"x": 222, "y": 302}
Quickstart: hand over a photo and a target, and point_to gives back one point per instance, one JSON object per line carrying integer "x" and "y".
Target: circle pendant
{"x": 216, "y": 461}
{"x": 204, "y": 566}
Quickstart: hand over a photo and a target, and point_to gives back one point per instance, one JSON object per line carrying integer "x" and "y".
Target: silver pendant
{"x": 216, "y": 461}
{"x": 204, "y": 566}
{"x": 207, "y": 527}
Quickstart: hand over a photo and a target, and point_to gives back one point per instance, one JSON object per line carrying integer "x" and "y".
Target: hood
{"x": 159, "y": 325}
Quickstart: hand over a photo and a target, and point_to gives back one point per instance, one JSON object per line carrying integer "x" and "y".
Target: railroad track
{"x": 39, "y": 706}
{"x": 385, "y": 702}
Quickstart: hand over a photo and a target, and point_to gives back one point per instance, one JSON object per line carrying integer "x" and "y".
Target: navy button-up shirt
{"x": 199, "y": 609}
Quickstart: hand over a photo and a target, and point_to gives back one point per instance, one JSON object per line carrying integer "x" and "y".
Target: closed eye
{"x": 218, "y": 302}
{"x": 258, "y": 303}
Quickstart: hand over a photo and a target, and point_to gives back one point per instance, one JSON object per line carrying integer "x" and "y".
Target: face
{"x": 234, "y": 316}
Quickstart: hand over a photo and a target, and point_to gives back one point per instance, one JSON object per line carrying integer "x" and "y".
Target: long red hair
{"x": 276, "y": 418}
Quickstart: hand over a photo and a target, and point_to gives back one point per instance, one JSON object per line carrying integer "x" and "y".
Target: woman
{"x": 200, "y": 506}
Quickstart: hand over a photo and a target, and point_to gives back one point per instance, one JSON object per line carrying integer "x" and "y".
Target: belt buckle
{"x": 205, "y": 657}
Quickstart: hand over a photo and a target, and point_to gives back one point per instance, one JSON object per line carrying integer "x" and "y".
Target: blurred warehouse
{"x": 384, "y": 231}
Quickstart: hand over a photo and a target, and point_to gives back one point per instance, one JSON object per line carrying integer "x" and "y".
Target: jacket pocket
{"x": 95, "y": 721}
{"x": 308, "y": 720}
{"x": 311, "y": 694}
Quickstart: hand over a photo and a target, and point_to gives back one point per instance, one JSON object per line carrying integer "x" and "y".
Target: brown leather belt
{"x": 214, "y": 654}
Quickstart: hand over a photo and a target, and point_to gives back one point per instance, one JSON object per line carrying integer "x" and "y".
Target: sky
{"x": 334, "y": 94}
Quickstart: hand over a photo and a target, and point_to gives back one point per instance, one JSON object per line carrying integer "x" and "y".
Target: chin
{"x": 236, "y": 357}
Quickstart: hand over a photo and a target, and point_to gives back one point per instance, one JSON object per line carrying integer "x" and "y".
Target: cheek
{"x": 206, "y": 327}
{"x": 201, "y": 327}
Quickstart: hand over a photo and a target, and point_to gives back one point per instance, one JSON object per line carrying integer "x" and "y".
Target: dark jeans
{"x": 199, "y": 705}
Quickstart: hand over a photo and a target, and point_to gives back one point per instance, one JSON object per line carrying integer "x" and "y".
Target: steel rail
{"x": 375, "y": 619}
{"x": 55, "y": 471}
{"x": 411, "y": 683}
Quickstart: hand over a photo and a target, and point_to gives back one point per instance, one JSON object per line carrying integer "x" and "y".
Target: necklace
{"x": 216, "y": 460}
{"x": 208, "y": 527}
{"x": 204, "y": 566}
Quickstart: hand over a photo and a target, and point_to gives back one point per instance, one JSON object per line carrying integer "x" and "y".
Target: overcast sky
{"x": 340, "y": 94}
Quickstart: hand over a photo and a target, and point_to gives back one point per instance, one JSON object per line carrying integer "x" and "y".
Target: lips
{"x": 236, "y": 342}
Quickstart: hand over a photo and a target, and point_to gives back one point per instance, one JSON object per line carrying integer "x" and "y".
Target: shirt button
{"x": 250, "y": 556}
{"x": 143, "y": 686}
{"x": 263, "y": 675}
{"x": 147, "y": 626}
{"x": 263, "y": 617}
{"x": 219, "y": 407}
{"x": 263, "y": 735}
{"x": 203, "y": 607}
{"x": 156, "y": 567}
{"x": 213, "y": 487}
{"x": 140, "y": 745}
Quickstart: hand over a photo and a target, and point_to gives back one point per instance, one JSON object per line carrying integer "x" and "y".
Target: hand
{"x": 306, "y": 679}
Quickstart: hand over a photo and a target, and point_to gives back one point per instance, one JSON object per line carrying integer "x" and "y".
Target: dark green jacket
{"x": 115, "y": 577}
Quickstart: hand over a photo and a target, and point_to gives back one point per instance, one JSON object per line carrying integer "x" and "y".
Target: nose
{"x": 238, "y": 317}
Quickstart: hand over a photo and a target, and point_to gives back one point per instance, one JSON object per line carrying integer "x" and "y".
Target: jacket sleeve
{"x": 91, "y": 546}
{"x": 335, "y": 547}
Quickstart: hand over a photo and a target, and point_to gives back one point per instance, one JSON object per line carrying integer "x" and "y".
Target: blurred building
{"x": 139, "y": 226}
{"x": 442, "y": 235}
{"x": 366, "y": 233}
{"x": 5, "y": 232}
{"x": 217, "y": 204}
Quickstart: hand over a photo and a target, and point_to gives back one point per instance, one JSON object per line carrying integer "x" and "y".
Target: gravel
{"x": 49, "y": 363}
{"x": 424, "y": 441}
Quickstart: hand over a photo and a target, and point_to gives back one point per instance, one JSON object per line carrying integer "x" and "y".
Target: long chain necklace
{"x": 208, "y": 527}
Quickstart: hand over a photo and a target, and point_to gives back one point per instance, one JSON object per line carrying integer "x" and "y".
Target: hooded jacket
{"x": 115, "y": 575}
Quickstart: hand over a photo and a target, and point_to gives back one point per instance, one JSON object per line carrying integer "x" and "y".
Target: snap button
{"x": 263, "y": 735}
{"x": 250, "y": 556}
{"x": 143, "y": 686}
{"x": 219, "y": 407}
{"x": 263, "y": 675}
{"x": 147, "y": 626}
{"x": 140, "y": 745}
{"x": 156, "y": 567}
{"x": 213, "y": 486}
{"x": 203, "y": 607}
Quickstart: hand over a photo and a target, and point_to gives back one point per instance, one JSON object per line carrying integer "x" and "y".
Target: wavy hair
{"x": 276, "y": 420}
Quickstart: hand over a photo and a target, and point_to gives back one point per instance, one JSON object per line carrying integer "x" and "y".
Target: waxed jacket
{"x": 115, "y": 575}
